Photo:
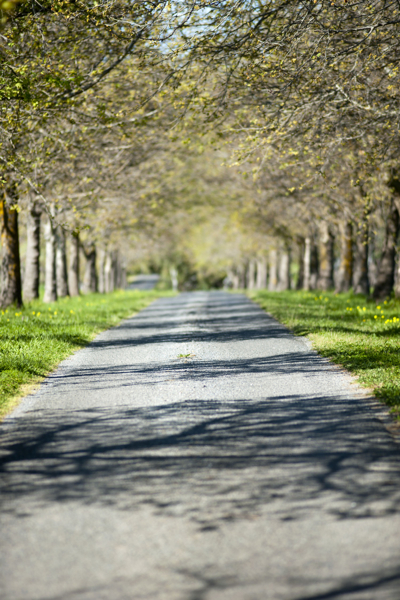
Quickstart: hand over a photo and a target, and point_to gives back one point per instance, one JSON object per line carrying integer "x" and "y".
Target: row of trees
{"x": 72, "y": 116}
{"x": 132, "y": 126}
{"x": 310, "y": 92}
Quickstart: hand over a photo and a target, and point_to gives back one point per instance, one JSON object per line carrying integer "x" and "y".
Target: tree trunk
{"x": 314, "y": 267}
{"x": 385, "y": 281}
{"x": 360, "y": 271}
{"x": 261, "y": 282}
{"x": 242, "y": 276}
{"x": 251, "y": 274}
{"x": 235, "y": 278}
{"x": 310, "y": 264}
{"x": 115, "y": 259}
{"x": 273, "y": 270}
{"x": 397, "y": 271}
{"x": 61, "y": 264}
{"x": 173, "y": 273}
{"x": 109, "y": 274}
{"x": 90, "y": 278}
{"x": 397, "y": 276}
{"x": 307, "y": 264}
{"x": 120, "y": 272}
{"x": 284, "y": 271}
{"x": 11, "y": 290}
{"x": 372, "y": 263}
{"x": 326, "y": 257}
{"x": 123, "y": 275}
{"x": 361, "y": 283}
{"x": 102, "y": 262}
{"x": 50, "y": 280}
{"x": 300, "y": 275}
{"x": 73, "y": 272}
{"x": 32, "y": 264}
{"x": 345, "y": 272}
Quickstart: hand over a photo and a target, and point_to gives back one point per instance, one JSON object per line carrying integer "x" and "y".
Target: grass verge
{"x": 352, "y": 331}
{"x": 35, "y": 339}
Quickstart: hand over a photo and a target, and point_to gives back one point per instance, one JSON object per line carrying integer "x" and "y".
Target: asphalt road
{"x": 144, "y": 282}
{"x": 250, "y": 469}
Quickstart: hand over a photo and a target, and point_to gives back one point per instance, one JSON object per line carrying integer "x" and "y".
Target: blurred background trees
{"x": 241, "y": 143}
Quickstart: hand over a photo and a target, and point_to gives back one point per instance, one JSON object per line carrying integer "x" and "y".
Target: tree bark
{"x": 61, "y": 264}
{"x": 120, "y": 280}
{"x": 361, "y": 283}
{"x": 251, "y": 274}
{"x": 372, "y": 263}
{"x": 114, "y": 269}
{"x": 397, "y": 268}
{"x": 242, "y": 276}
{"x": 273, "y": 270}
{"x": 261, "y": 282}
{"x": 123, "y": 275}
{"x": 395, "y": 185}
{"x": 109, "y": 273}
{"x": 235, "y": 278}
{"x": 32, "y": 262}
{"x": 310, "y": 264}
{"x": 345, "y": 271}
{"x": 397, "y": 276}
{"x": 326, "y": 257}
{"x": 90, "y": 277}
{"x": 314, "y": 267}
{"x": 360, "y": 271}
{"x": 307, "y": 264}
{"x": 11, "y": 289}
{"x": 50, "y": 280}
{"x": 284, "y": 271}
{"x": 73, "y": 272}
{"x": 173, "y": 273}
{"x": 300, "y": 275}
{"x": 385, "y": 280}
{"x": 102, "y": 261}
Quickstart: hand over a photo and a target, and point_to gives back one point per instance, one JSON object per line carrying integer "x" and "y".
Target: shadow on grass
{"x": 332, "y": 326}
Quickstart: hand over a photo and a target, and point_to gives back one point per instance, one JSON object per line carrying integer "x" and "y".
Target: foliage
{"x": 122, "y": 117}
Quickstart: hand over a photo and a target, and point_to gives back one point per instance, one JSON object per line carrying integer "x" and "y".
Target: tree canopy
{"x": 211, "y": 133}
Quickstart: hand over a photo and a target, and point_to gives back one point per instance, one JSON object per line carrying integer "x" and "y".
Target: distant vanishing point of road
{"x": 144, "y": 282}
{"x": 198, "y": 451}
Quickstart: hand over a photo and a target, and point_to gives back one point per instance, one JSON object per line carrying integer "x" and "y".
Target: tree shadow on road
{"x": 210, "y": 461}
{"x": 154, "y": 373}
{"x": 361, "y": 586}
{"x": 224, "y": 318}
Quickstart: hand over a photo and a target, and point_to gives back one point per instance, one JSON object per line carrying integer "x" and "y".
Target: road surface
{"x": 199, "y": 452}
{"x": 144, "y": 282}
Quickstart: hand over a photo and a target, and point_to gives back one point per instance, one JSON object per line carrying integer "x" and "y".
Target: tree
{"x": 11, "y": 291}
{"x": 55, "y": 55}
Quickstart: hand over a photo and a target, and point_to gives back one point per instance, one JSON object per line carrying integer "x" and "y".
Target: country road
{"x": 199, "y": 451}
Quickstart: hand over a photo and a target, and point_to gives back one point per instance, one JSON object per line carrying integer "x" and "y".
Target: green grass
{"x": 352, "y": 331}
{"x": 35, "y": 339}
